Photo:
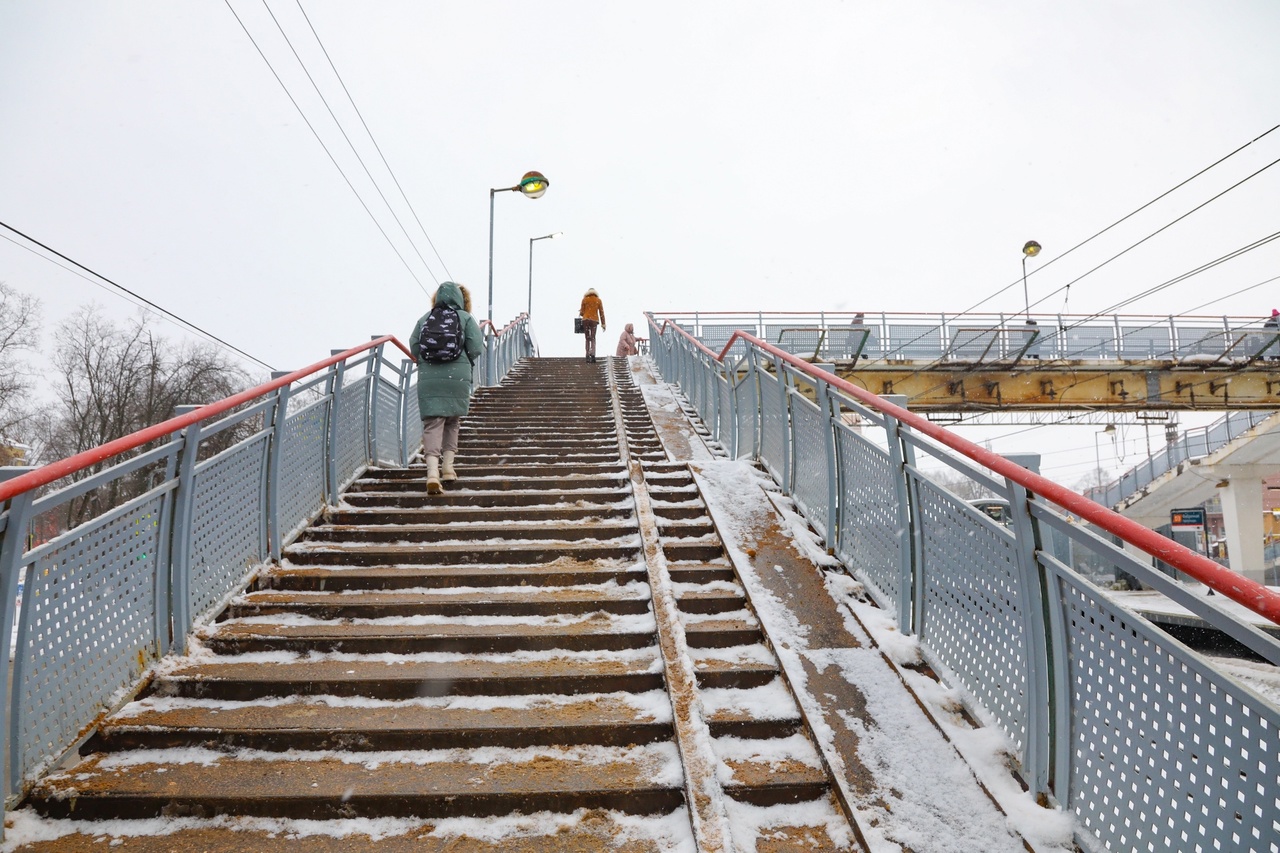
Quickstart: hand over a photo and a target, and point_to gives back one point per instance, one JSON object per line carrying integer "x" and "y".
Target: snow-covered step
{"x": 564, "y": 571}
{"x": 361, "y": 724}
{"x": 392, "y": 676}
{"x": 329, "y": 785}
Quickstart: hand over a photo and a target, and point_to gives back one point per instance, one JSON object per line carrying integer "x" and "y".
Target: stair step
{"x": 328, "y": 554}
{"x": 529, "y": 515}
{"x": 409, "y": 678}
{"x": 518, "y": 601}
{"x": 591, "y": 634}
{"x": 555, "y": 573}
{"x": 427, "y": 784}
{"x": 326, "y": 723}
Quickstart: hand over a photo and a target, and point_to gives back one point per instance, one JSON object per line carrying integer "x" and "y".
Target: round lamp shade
{"x": 1031, "y": 249}
{"x": 534, "y": 184}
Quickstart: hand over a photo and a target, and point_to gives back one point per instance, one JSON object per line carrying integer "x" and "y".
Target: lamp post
{"x": 1110, "y": 431}
{"x": 1029, "y": 250}
{"x": 533, "y": 185}
{"x": 529, "y": 311}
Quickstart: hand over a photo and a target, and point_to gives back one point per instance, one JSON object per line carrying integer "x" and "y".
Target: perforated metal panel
{"x": 301, "y": 487}
{"x": 972, "y": 621}
{"x": 353, "y": 437}
{"x": 92, "y": 623}
{"x": 869, "y": 526}
{"x": 773, "y": 437}
{"x": 228, "y": 522}
{"x": 1165, "y": 753}
{"x": 388, "y": 422}
{"x": 811, "y": 476}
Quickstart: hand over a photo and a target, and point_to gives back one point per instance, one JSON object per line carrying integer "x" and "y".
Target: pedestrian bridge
{"x": 677, "y": 603}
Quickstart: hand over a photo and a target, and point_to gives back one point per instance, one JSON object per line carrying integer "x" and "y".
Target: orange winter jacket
{"x": 592, "y": 309}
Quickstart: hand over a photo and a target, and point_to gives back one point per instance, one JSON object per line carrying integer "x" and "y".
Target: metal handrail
{"x": 72, "y": 464}
{"x": 198, "y": 529}
{"x": 1248, "y": 593}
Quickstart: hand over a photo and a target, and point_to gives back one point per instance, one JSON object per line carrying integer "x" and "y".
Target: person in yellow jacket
{"x": 592, "y": 314}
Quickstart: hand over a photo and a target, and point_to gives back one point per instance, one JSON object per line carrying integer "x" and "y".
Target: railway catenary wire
{"x": 1122, "y": 219}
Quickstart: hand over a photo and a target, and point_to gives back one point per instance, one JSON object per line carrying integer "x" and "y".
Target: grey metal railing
{"x": 1144, "y": 740}
{"x": 885, "y": 336}
{"x": 1195, "y": 443}
{"x": 92, "y": 604}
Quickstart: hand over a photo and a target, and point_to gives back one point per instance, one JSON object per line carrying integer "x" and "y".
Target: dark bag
{"x": 577, "y": 326}
{"x": 440, "y": 340}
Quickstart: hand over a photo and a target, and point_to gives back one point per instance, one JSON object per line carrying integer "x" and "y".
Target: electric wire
{"x": 345, "y": 136}
{"x": 1066, "y": 288}
{"x": 376, "y": 146}
{"x": 1128, "y": 216}
{"x": 192, "y": 326}
{"x": 1159, "y": 230}
{"x": 325, "y": 147}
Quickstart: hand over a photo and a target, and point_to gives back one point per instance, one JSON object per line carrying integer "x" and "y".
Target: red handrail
{"x": 65, "y": 467}
{"x": 1238, "y": 588}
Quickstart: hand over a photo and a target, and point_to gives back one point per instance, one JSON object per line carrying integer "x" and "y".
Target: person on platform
{"x": 627, "y": 342}
{"x": 592, "y": 314}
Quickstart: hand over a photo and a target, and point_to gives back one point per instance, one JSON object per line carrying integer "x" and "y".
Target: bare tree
{"x": 114, "y": 380}
{"x": 19, "y": 325}
{"x": 960, "y": 485}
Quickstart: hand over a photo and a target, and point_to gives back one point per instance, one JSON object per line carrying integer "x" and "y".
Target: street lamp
{"x": 532, "y": 240}
{"x": 1110, "y": 431}
{"x": 533, "y": 185}
{"x": 1029, "y": 250}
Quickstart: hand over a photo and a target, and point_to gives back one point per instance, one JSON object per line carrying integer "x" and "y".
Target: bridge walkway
{"x": 584, "y": 644}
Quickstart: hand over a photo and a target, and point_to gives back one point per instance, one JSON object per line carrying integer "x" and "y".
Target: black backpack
{"x": 440, "y": 340}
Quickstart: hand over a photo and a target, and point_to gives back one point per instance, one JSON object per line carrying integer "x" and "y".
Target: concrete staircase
{"x": 555, "y": 654}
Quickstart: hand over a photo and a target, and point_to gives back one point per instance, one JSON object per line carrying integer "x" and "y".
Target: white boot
{"x": 433, "y": 476}
{"x": 447, "y": 473}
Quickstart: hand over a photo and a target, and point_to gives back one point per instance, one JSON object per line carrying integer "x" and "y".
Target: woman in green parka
{"x": 444, "y": 389}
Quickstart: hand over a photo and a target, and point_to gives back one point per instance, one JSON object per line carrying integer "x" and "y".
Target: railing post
{"x": 12, "y": 547}
{"x": 1034, "y": 606}
{"x": 374, "y": 371}
{"x": 275, "y": 451}
{"x": 907, "y": 582}
{"x": 179, "y": 591}
{"x": 825, "y": 400}
{"x": 331, "y": 446}
{"x": 405, "y": 382}
{"x": 784, "y": 382}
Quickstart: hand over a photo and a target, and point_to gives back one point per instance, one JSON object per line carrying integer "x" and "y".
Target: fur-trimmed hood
{"x": 454, "y": 295}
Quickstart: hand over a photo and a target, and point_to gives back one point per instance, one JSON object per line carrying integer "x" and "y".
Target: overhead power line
{"x": 376, "y": 146}
{"x": 1135, "y": 212}
{"x": 332, "y": 159}
{"x": 345, "y": 136}
{"x": 1122, "y": 219}
{"x": 120, "y": 287}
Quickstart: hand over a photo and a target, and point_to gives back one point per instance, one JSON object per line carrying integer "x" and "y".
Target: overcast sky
{"x": 890, "y": 155}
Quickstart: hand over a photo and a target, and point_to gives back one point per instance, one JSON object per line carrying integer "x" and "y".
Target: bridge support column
{"x": 1242, "y": 518}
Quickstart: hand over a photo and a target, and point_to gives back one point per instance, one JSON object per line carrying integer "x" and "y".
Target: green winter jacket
{"x": 444, "y": 390}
